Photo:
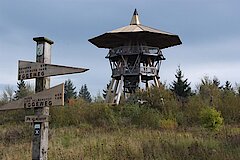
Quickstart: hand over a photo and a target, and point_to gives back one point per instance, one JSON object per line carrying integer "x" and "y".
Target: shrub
{"x": 168, "y": 124}
{"x": 211, "y": 119}
{"x": 148, "y": 117}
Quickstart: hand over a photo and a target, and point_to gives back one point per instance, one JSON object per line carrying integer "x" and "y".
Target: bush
{"x": 211, "y": 119}
{"x": 168, "y": 124}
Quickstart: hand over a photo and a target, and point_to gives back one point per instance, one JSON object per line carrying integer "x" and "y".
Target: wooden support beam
{"x": 40, "y": 137}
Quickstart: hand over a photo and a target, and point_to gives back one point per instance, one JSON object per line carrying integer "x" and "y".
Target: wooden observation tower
{"x": 135, "y": 56}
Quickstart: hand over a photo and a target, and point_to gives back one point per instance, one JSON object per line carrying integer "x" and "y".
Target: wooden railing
{"x": 148, "y": 71}
{"x": 127, "y": 50}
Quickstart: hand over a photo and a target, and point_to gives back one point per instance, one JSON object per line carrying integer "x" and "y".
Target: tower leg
{"x": 156, "y": 82}
{"x": 119, "y": 92}
{"x": 114, "y": 91}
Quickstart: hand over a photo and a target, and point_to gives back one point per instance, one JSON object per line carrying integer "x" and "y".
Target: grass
{"x": 104, "y": 133}
{"x": 129, "y": 143}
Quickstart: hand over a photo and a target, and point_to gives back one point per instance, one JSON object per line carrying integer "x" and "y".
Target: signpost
{"x": 31, "y": 119}
{"x": 29, "y": 70}
{"x": 50, "y": 97}
{"x": 43, "y": 97}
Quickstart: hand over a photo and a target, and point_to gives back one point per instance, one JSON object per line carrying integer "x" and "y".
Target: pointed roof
{"x": 135, "y": 19}
{"x": 136, "y": 32}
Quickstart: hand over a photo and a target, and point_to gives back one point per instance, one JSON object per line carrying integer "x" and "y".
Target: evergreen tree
{"x": 23, "y": 90}
{"x": 84, "y": 93}
{"x": 228, "y": 86}
{"x": 106, "y": 90}
{"x": 180, "y": 87}
{"x": 69, "y": 90}
{"x": 216, "y": 82}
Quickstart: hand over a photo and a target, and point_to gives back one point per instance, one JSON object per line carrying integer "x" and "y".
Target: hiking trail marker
{"x": 44, "y": 96}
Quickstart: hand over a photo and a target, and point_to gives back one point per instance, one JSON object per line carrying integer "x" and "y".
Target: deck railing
{"x": 148, "y": 71}
{"x": 127, "y": 50}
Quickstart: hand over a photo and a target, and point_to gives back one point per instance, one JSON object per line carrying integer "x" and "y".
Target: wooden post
{"x": 40, "y": 137}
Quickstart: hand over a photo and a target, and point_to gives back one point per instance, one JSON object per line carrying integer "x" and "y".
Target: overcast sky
{"x": 209, "y": 30}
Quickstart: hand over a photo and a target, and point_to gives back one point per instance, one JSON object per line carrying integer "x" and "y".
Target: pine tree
{"x": 23, "y": 90}
{"x": 69, "y": 90}
{"x": 228, "y": 86}
{"x": 105, "y": 91}
{"x": 180, "y": 87}
{"x": 84, "y": 93}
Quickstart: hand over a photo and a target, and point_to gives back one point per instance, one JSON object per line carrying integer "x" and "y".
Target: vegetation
{"x": 211, "y": 118}
{"x": 203, "y": 125}
{"x": 84, "y": 93}
{"x": 180, "y": 87}
{"x": 69, "y": 90}
{"x": 23, "y": 90}
{"x": 99, "y": 131}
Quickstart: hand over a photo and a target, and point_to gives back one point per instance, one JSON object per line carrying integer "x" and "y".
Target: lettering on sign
{"x": 29, "y": 70}
{"x": 41, "y": 118}
{"x": 50, "y": 97}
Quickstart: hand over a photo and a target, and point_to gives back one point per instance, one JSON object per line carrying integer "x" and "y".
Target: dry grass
{"x": 75, "y": 143}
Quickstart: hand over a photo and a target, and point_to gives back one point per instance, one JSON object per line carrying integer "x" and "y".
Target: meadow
{"x": 101, "y": 132}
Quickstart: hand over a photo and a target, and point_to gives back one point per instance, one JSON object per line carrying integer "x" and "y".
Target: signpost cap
{"x": 43, "y": 39}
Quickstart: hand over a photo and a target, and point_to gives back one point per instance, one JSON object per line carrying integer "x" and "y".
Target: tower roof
{"x": 135, "y": 19}
{"x": 136, "y": 32}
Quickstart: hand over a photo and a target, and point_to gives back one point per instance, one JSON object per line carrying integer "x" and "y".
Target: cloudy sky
{"x": 209, "y": 30}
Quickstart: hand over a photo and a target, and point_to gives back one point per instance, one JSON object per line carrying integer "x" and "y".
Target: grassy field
{"x": 100, "y": 133}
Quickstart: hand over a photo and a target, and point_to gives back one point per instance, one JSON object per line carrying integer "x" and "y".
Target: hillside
{"x": 97, "y": 131}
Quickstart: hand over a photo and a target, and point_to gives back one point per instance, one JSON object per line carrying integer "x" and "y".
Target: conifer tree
{"x": 23, "y": 90}
{"x": 69, "y": 90}
{"x": 228, "y": 86}
{"x": 180, "y": 86}
{"x": 106, "y": 90}
{"x": 84, "y": 93}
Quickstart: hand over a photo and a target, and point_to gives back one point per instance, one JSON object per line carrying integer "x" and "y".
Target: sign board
{"x": 40, "y": 118}
{"x": 50, "y": 97}
{"x": 29, "y": 70}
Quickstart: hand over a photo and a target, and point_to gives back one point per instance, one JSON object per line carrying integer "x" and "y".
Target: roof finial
{"x": 135, "y": 19}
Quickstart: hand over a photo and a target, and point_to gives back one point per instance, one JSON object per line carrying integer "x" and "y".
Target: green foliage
{"x": 69, "y": 90}
{"x": 84, "y": 93}
{"x": 168, "y": 124}
{"x": 106, "y": 90}
{"x": 211, "y": 119}
{"x": 180, "y": 87}
{"x": 23, "y": 90}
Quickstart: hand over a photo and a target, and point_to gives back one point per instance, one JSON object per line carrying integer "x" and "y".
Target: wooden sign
{"x": 40, "y": 118}
{"x": 29, "y": 70}
{"x": 50, "y": 97}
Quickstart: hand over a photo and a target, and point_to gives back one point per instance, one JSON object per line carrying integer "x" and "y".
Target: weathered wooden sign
{"x": 50, "y": 97}
{"x": 39, "y": 118}
{"x": 29, "y": 70}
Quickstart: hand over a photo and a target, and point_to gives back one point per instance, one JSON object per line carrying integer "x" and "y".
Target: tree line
{"x": 180, "y": 87}
{"x": 24, "y": 89}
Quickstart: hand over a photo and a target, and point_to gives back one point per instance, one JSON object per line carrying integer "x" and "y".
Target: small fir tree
{"x": 84, "y": 93}
{"x": 228, "y": 86}
{"x": 180, "y": 86}
{"x": 69, "y": 90}
{"x": 105, "y": 91}
{"x": 23, "y": 90}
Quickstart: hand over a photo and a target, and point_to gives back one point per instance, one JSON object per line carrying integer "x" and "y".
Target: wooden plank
{"x": 40, "y": 118}
{"x": 29, "y": 70}
{"x": 50, "y": 97}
